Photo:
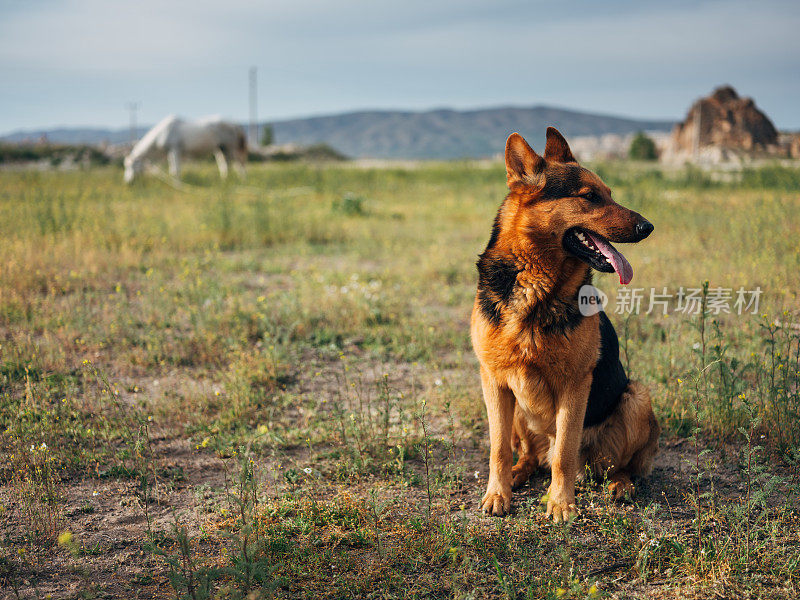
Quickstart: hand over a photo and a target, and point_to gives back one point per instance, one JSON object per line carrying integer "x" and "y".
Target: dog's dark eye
{"x": 592, "y": 197}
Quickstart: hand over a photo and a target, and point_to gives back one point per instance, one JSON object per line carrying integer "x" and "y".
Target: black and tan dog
{"x": 553, "y": 384}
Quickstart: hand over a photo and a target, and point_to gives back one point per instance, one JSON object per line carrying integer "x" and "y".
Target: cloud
{"x": 639, "y": 58}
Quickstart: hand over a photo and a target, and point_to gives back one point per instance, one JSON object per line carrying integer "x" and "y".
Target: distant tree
{"x": 267, "y": 135}
{"x": 642, "y": 148}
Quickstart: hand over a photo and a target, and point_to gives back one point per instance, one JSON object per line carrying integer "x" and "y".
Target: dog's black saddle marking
{"x": 497, "y": 277}
{"x": 608, "y": 378}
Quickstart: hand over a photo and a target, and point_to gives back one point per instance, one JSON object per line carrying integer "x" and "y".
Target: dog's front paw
{"x": 560, "y": 507}
{"x": 561, "y": 512}
{"x": 497, "y": 500}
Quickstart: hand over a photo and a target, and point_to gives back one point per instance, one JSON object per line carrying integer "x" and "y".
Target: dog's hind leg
{"x": 640, "y": 464}
{"x": 624, "y": 446}
{"x": 529, "y": 447}
{"x": 620, "y": 486}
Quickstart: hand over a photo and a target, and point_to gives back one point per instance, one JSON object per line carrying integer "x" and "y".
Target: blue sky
{"x": 78, "y": 62}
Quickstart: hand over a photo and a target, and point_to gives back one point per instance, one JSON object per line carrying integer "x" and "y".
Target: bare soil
{"x": 109, "y": 519}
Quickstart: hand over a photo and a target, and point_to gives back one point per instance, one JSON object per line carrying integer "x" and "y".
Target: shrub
{"x": 350, "y": 205}
{"x": 267, "y": 135}
{"x": 642, "y": 148}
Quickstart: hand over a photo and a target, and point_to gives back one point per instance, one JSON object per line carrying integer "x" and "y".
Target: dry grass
{"x": 267, "y": 390}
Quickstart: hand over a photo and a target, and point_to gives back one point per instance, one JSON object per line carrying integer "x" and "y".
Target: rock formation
{"x": 794, "y": 145}
{"x": 724, "y": 127}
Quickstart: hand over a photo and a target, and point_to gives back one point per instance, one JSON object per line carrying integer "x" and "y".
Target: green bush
{"x": 349, "y": 204}
{"x": 267, "y": 135}
{"x": 642, "y": 148}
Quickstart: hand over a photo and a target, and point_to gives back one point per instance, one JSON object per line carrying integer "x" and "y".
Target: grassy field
{"x": 266, "y": 389}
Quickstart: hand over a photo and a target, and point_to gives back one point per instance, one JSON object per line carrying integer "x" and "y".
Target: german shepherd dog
{"x": 554, "y": 387}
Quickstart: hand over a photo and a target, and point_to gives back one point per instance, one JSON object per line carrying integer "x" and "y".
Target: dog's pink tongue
{"x": 619, "y": 262}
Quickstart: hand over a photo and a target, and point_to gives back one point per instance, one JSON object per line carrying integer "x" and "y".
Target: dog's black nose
{"x": 644, "y": 228}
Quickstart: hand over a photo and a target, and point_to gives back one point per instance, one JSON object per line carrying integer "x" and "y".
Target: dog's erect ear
{"x": 523, "y": 165}
{"x": 557, "y": 148}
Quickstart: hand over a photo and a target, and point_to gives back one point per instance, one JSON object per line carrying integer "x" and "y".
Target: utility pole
{"x": 133, "y": 107}
{"x": 254, "y": 141}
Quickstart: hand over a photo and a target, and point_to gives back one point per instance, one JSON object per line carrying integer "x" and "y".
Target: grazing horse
{"x": 175, "y": 137}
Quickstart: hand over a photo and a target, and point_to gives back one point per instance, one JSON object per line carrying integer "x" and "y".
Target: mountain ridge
{"x": 441, "y": 133}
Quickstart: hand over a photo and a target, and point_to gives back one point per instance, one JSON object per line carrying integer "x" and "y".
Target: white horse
{"x": 175, "y": 138}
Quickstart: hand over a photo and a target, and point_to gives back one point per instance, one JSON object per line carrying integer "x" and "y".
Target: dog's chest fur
{"x": 533, "y": 340}
{"x": 540, "y": 380}
{"x": 534, "y": 347}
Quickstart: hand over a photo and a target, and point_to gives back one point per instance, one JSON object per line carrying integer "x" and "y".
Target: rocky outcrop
{"x": 793, "y": 143}
{"x": 723, "y": 127}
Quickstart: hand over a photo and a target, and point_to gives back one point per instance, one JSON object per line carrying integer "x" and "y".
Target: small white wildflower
{"x": 696, "y": 346}
{"x": 438, "y": 382}
{"x": 308, "y": 470}
{"x": 477, "y": 473}
{"x": 643, "y": 537}
{"x": 43, "y": 446}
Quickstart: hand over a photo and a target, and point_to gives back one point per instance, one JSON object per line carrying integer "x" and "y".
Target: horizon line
{"x": 322, "y": 115}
